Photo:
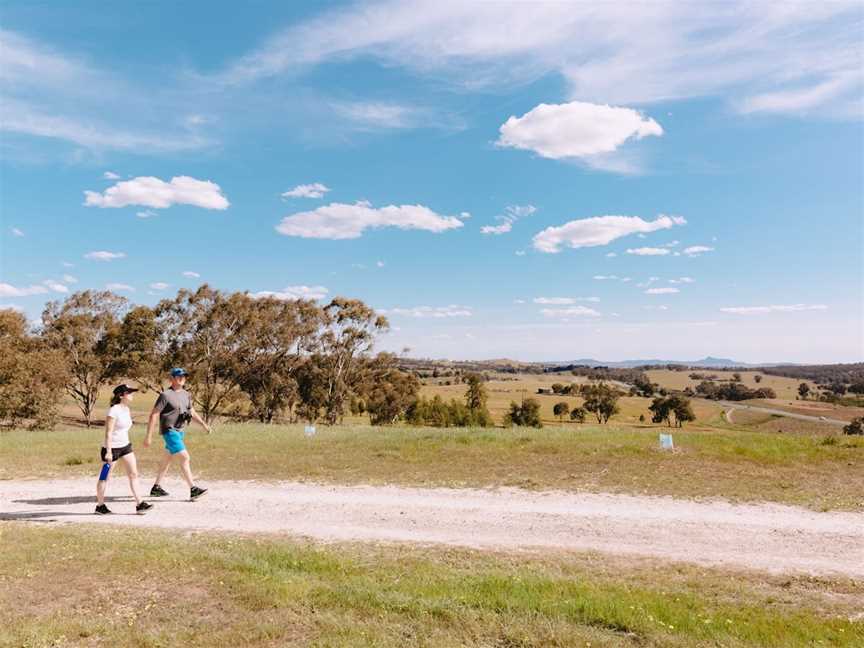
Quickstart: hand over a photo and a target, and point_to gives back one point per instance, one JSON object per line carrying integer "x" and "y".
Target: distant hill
{"x": 714, "y": 363}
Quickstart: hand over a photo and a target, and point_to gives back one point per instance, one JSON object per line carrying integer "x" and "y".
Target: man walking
{"x": 173, "y": 410}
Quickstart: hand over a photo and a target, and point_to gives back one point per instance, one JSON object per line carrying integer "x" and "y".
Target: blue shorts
{"x": 174, "y": 441}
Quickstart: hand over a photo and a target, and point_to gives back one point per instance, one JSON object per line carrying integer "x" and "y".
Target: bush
{"x": 527, "y": 414}
{"x": 856, "y": 427}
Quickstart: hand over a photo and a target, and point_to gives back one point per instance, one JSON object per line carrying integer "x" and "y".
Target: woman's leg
{"x": 131, "y": 466}
{"x": 102, "y": 484}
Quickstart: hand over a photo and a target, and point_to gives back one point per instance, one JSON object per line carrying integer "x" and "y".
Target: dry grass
{"x": 503, "y": 392}
{"x": 149, "y": 589}
{"x": 786, "y": 388}
{"x": 731, "y": 463}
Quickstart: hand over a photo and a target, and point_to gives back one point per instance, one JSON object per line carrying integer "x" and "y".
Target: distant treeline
{"x": 837, "y": 378}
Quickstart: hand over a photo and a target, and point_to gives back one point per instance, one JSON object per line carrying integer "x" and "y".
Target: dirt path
{"x": 763, "y": 536}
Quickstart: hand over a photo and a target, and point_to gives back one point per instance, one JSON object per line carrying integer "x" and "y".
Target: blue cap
{"x": 176, "y": 372}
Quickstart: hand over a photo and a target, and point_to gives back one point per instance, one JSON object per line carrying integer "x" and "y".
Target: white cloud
{"x": 119, "y": 287}
{"x": 69, "y": 279}
{"x": 662, "y": 308}
{"x": 599, "y": 230}
{"x": 464, "y": 214}
{"x": 380, "y": 115}
{"x": 148, "y": 191}
{"x": 511, "y": 214}
{"x": 605, "y": 277}
{"x": 611, "y": 254}
{"x": 56, "y": 286}
{"x": 110, "y": 175}
{"x": 291, "y": 293}
{"x": 8, "y": 290}
{"x": 682, "y": 280}
{"x": 103, "y": 255}
{"x": 758, "y": 310}
{"x": 191, "y": 275}
{"x": 518, "y": 301}
{"x": 66, "y": 264}
{"x": 650, "y": 52}
{"x": 314, "y": 190}
{"x": 16, "y": 232}
{"x": 670, "y": 244}
{"x": 576, "y": 130}
{"x": 145, "y": 213}
{"x": 573, "y": 311}
{"x": 696, "y": 250}
{"x": 647, "y": 282}
{"x": 661, "y": 291}
{"x": 520, "y": 252}
{"x": 559, "y": 301}
{"x": 344, "y": 221}
{"x": 648, "y": 251}
{"x": 379, "y": 264}
{"x": 435, "y": 312}
{"x": 159, "y": 285}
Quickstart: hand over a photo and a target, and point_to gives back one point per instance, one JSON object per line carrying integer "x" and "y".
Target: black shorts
{"x": 116, "y": 453}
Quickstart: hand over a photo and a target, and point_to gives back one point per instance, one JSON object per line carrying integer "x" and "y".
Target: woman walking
{"x": 117, "y": 447}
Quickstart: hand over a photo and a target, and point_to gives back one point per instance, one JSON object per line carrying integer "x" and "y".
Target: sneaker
{"x": 143, "y": 507}
{"x": 196, "y": 492}
{"x": 101, "y": 509}
{"x": 158, "y": 491}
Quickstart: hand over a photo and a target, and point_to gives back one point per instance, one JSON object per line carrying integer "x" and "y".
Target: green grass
{"x": 730, "y": 463}
{"x": 131, "y": 588}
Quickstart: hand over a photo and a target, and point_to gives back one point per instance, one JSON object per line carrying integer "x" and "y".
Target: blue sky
{"x": 525, "y": 180}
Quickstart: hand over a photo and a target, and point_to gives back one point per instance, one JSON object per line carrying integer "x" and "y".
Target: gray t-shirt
{"x": 171, "y": 404}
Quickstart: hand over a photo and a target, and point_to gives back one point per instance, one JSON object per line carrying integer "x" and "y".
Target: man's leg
{"x": 163, "y": 468}
{"x": 186, "y": 466}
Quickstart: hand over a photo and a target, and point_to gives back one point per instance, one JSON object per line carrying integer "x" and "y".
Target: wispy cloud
{"x": 648, "y": 251}
{"x": 760, "y": 310}
{"x": 16, "y": 232}
{"x": 119, "y": 287}
{"x": 512, "y": 213}
{"x": 739, "y": 49}
{"x": 662, "y": 291}
{"x": 346, "y": 221}
{"x": 314, "y": 190}
{"x": 599, "y": 230}
{"x": 103, "y": 255}
{"x": 292, "y": 293}
{"x": 696, "y": 250}
{"x": 435, "y": 312}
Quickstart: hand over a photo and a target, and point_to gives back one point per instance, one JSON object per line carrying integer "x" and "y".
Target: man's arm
{"x": 152, "y": 422}
{"x": 199, "y": 420}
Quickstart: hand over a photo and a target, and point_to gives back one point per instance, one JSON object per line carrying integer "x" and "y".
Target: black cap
{"x": 119, "y": 390}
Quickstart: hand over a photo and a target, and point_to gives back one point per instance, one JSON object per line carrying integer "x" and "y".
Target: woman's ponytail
{"x": 115, "y": 400}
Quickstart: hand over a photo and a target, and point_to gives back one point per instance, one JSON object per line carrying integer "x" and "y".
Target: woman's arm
{"x": 109, "y": 428}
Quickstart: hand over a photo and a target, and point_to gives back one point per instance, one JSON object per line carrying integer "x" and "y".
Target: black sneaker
{"x": 196, "y": 492}
{"x": 143, "y": 507}
{"x": 101, "y": 509}
{"x": 158, "y": 491}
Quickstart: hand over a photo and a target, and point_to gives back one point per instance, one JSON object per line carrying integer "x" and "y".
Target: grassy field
{"x": 720, "y": 462}
{"x": 786, "y": 388}
{"x": 123, "y": 588}
{"x": 503, "y": 392}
